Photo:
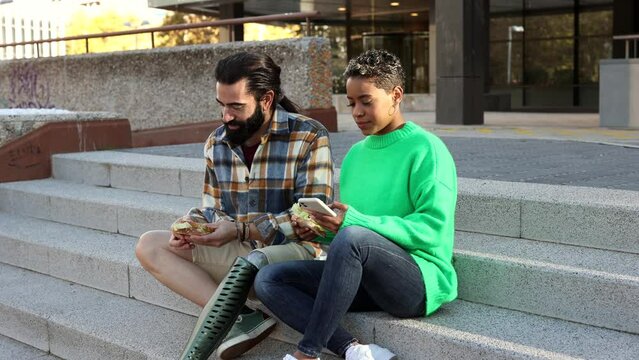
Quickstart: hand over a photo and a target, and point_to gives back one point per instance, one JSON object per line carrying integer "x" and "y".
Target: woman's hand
{"x": 302, "y": 232}
{"x": 223, "y": 232}
{"x": 332, "y": 223}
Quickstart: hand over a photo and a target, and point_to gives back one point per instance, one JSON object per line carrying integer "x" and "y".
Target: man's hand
{"x": 180, "y": 242}
{"x": 328, "y": 222}
{"x": 304, "y": 233}
{"x": 224, "y": 231}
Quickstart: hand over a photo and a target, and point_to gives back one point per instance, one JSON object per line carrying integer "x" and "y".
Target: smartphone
{"x": 317, "y": 205}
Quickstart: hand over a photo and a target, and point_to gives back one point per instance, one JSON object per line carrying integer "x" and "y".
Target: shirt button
{"x": 246, "y": 179}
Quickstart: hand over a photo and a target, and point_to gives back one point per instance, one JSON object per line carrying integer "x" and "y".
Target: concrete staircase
{"x": 544, "y": 271}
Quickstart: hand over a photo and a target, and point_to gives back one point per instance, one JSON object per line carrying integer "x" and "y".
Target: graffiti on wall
{"x": 27, "y": 89}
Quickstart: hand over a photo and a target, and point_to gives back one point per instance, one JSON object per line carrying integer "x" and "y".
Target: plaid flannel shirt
{"x": 292, "y": 161}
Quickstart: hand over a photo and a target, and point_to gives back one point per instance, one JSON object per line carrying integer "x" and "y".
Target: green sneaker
{"x": 249, "y": 330}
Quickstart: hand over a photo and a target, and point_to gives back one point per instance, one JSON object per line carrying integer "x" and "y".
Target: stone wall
{"x": 160, "y": 87}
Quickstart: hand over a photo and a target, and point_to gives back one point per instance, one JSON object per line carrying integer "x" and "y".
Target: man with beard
{"x": 258, "y": 164}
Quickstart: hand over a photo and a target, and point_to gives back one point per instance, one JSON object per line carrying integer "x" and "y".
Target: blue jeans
{"x": 363, "y": 272}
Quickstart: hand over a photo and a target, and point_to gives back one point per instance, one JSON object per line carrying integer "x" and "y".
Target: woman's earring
{"x": 393, "y": 108}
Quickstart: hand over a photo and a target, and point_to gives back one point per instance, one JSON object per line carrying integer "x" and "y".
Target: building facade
{"x": 542, "y": 55}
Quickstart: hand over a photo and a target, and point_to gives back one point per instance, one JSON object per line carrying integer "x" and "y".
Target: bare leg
{"x": 174, "y": 268}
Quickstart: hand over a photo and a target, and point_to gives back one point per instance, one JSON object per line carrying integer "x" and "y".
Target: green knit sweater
{"x": 403, "y": 186}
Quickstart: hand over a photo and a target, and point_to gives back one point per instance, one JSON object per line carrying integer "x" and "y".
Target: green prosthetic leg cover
{"x": 220, "y": 313}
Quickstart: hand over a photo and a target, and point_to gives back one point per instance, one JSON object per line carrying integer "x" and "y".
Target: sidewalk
{"x": 565, "y": 149}
{"x": 557, "y": 126}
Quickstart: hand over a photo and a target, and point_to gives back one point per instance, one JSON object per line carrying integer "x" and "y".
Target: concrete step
{"x": 11, "y": 349}
{"x": 132, "y": 171}
{"x": 75, "y": 322}
{"x": 591, "y": 217}
{"x": 590, "y": 286}
{"x": 114, "y": 210}
{"x": 93, "y": 258}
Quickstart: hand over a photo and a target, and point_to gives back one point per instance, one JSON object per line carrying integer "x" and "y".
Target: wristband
{"x": 238, "y": 235}
{"x": 247, "y": 230}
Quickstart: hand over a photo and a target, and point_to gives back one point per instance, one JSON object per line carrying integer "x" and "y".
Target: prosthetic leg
{"x": 220, "y": 313}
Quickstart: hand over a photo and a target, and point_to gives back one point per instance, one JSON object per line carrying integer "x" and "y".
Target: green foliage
{"x": 84, "y": 23}
{"x": 206, "y": 35}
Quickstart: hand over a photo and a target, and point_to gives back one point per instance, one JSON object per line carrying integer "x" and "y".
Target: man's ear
{"x": 268, "y": 98}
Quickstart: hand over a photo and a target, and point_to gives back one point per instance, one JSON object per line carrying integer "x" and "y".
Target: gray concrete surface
{"x": 80, "y": 323}
{"x": 566, "y": 282}
{"x": 530, "y": 160}
{"x": 11, "y": 349}
{"x": 108, "y": 209}
{"x": 164, "y": 86}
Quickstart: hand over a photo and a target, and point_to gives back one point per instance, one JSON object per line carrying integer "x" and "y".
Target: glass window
{"x": 548, "y": 26}
{"x": 595, "y": 23}
{"x": 549, "y": 62}
{"x": 591, "y": 50}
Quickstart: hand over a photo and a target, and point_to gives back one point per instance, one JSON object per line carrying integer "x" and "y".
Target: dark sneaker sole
{"x": 235, "y": 350}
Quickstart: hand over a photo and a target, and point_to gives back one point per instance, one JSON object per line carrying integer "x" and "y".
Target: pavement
{"x": 559, "y": 149}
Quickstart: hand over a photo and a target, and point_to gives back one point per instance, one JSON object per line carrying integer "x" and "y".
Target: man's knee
{"x": 147, "y": 247}
{"x": 257, "y": 258}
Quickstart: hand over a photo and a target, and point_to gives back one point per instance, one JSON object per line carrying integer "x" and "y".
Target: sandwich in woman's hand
{"x": 304, "y": 219}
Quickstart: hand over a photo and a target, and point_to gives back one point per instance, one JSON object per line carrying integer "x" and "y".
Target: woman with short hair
{"x": 393, "y": 233}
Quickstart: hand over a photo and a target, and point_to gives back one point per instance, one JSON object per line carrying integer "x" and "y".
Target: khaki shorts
{"x": 217, "y": 260}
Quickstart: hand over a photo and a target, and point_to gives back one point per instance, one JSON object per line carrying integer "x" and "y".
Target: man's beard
{"x": 246, "y": 128}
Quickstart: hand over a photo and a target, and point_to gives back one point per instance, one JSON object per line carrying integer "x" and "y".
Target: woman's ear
{"x": 398, "y": 94}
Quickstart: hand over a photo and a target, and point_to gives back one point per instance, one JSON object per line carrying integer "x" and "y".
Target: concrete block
{"x": 81, "y": 319}
{"x": 490, "y": 207}
{"x": 152, "y": 179}
{"x": 80, "y": 171}
{"x": 24, "y": 327}
{"x": 96, "y": 259}
{"x": 91, "y": 214}
{"x": 11, "y": 349}
{"x": 618, "y": 93}
{"x": 19, "y": 199}
{"x": 416, "y": 340}
{"x": 589, "y": 286}
{"x": 135, "y": 83}
{"x": 24, "y": 254}
{"x": 192, "y": 182}
{"x": 604, "y": 227}
{"x": 145, "y": 287}
{"x": 68, "y": 343}
{"x": 95, "y": 271}
{"x": 592, "y": 217}
{"x": 488, "y": 214}
{"x": 135, "y": 221}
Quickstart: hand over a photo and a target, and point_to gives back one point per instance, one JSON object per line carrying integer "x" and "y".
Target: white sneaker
{"x": 369, "y": 352}
{"x": 291, "y": 357}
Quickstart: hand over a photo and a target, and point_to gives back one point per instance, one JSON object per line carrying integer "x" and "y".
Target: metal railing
{"x": 628, "y": 39}
{"x": 306, "y": 16}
